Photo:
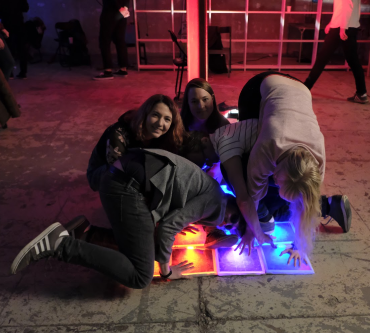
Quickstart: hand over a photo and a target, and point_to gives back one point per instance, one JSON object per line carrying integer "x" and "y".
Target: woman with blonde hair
{"x": 279, "y": 143}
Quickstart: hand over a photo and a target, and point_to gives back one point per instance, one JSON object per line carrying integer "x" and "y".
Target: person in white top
{"x": 285, "y": 143}
{"x": 342, "y": 31}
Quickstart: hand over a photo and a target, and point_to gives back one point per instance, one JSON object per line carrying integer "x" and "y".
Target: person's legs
{"x": 119, "y": 41}
{"x": 22, "y": 51}
{"x": 350, "y": 52}
{"x": 133, "y": 227}
{"x": 250, "y": 96}
{"x": 107, "y": 26}
{"x": 7, "y": 62}
{"x": 331, "y": 43}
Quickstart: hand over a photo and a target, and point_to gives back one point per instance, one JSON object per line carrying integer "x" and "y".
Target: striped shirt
{"x": 234, "y": 139}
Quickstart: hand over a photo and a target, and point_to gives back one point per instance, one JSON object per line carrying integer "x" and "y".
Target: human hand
{"x": 189, "y": 228}
{"x": 327, "y": 28}
{"x": 294, "y": 254}
{"x": 2, "y": 45}
{"x": 180, "y": 268}
{"x": 342, "y": 34}
{"x": 5, "y": 32}
{"x": 124, "y": 12}
{"x": 265, "y": 238}
{"x": 246, "y": 240}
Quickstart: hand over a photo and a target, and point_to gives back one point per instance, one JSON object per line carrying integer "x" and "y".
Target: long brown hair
{"x": 172, "y": 139}
{"x": 215, "y": 120}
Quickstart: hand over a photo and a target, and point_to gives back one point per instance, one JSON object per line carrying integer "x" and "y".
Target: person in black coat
{"x": 113, "y": 22}
{"x": 11, "y": 14}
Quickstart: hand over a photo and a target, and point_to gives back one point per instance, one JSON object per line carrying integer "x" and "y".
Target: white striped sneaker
{"x": 43, "y": 246}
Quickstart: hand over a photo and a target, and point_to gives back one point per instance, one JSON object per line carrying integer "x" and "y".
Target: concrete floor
{"x": 44, "y": 155}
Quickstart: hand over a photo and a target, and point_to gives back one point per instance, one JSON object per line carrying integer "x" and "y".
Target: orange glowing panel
{"x": 156, "y": 269}
{"x": 203, "y": 260}
{"x": 190, "y": 239}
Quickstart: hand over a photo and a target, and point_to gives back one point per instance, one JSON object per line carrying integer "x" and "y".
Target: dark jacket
{"x": 114, "y": 5}
{"x": 8, "y": 105}
{"x": 185, "y": 194}
{"x": 11, "y": 12}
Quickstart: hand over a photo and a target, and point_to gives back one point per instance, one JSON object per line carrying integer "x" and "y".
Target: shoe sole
{"x": 26, "y": 249}
{"x": 103, "y": 79}
{"x": 77, "y": 222}
{"x": 228, "y": 241}
{"x": 347, "y": 213}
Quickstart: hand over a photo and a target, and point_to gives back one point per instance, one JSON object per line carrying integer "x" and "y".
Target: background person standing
{"x": 113, "y": 22}
{"x": 11, "y": 14}
{"x": 342, "y": 31}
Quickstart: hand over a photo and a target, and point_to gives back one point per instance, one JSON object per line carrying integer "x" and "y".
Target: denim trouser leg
{"x": 7, "y": 62}
{"x": 133, "y": 228}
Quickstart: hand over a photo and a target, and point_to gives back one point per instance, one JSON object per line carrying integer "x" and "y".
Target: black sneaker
{"x": 22, "y": 76}
{"x": 104, "y": 76}
{"x": 269, "y": 226}
{"x": 120, "y": 73}
{"x": 43, "y": 246}
{"x": 283, "y": 214}
{"x": 217, "y": 238}
{"x": 77, "y": 227}
{"x": 340, "y": 211}
{"x": 358, "y": 99}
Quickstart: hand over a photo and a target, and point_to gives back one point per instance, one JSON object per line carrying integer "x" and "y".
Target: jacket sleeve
{"x": 121, "y": 3}
{"x": 207, "y": 208}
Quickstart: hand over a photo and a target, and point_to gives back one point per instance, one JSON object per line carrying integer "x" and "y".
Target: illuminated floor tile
{"x": 203, "y": 260}
{"x": 283, "y": 232}
{"x": 191, "y": 239}
{"x": 156, "y": 269}
{"x": 275, "y": 264}
{"x": 229, "y": 262}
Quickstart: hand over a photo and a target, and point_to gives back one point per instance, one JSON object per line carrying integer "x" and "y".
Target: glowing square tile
{"x": 229, "y": 262}
{"x": 203, "y": 260}
{"x": 156, "y": 269}
{"x": 275, "y": 264}
{"x": 191, "y": 239}
{"x": 284, "y": 232}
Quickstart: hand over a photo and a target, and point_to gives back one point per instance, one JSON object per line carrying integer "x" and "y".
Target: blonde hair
{"x": 301, "y": 187}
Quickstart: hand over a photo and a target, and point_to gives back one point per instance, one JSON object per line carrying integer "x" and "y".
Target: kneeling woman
{"x": 141, "y": 189}
{"x": 156, "y": 124}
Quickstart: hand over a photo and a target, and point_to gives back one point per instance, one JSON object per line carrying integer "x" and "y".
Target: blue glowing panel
{"x": 227, "y": 190}
{"x": 191, "y": 239}
{"x": 229, "y": 262}
{"x": 283, "y": 232}
{"x": 275, "y": 264}
{"x": 203, "y": 260}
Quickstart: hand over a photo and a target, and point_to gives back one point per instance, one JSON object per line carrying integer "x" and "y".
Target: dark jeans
{"x": 133, "y": 228}
{"x": 331, "y": 43}
{"x": 6, "y": 60}
{"x": 17, "y": 45}
{"x": 113, "y": 28}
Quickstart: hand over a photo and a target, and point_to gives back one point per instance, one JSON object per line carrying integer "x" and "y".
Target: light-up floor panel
{"x": 191, "y": 239}
{"x": 274, "y": 264}
{"x": 156, "y": 269}
{"x": 203, "y": 260}
{"x": 283, "y": 232}
{"x": 229, "y": 262}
